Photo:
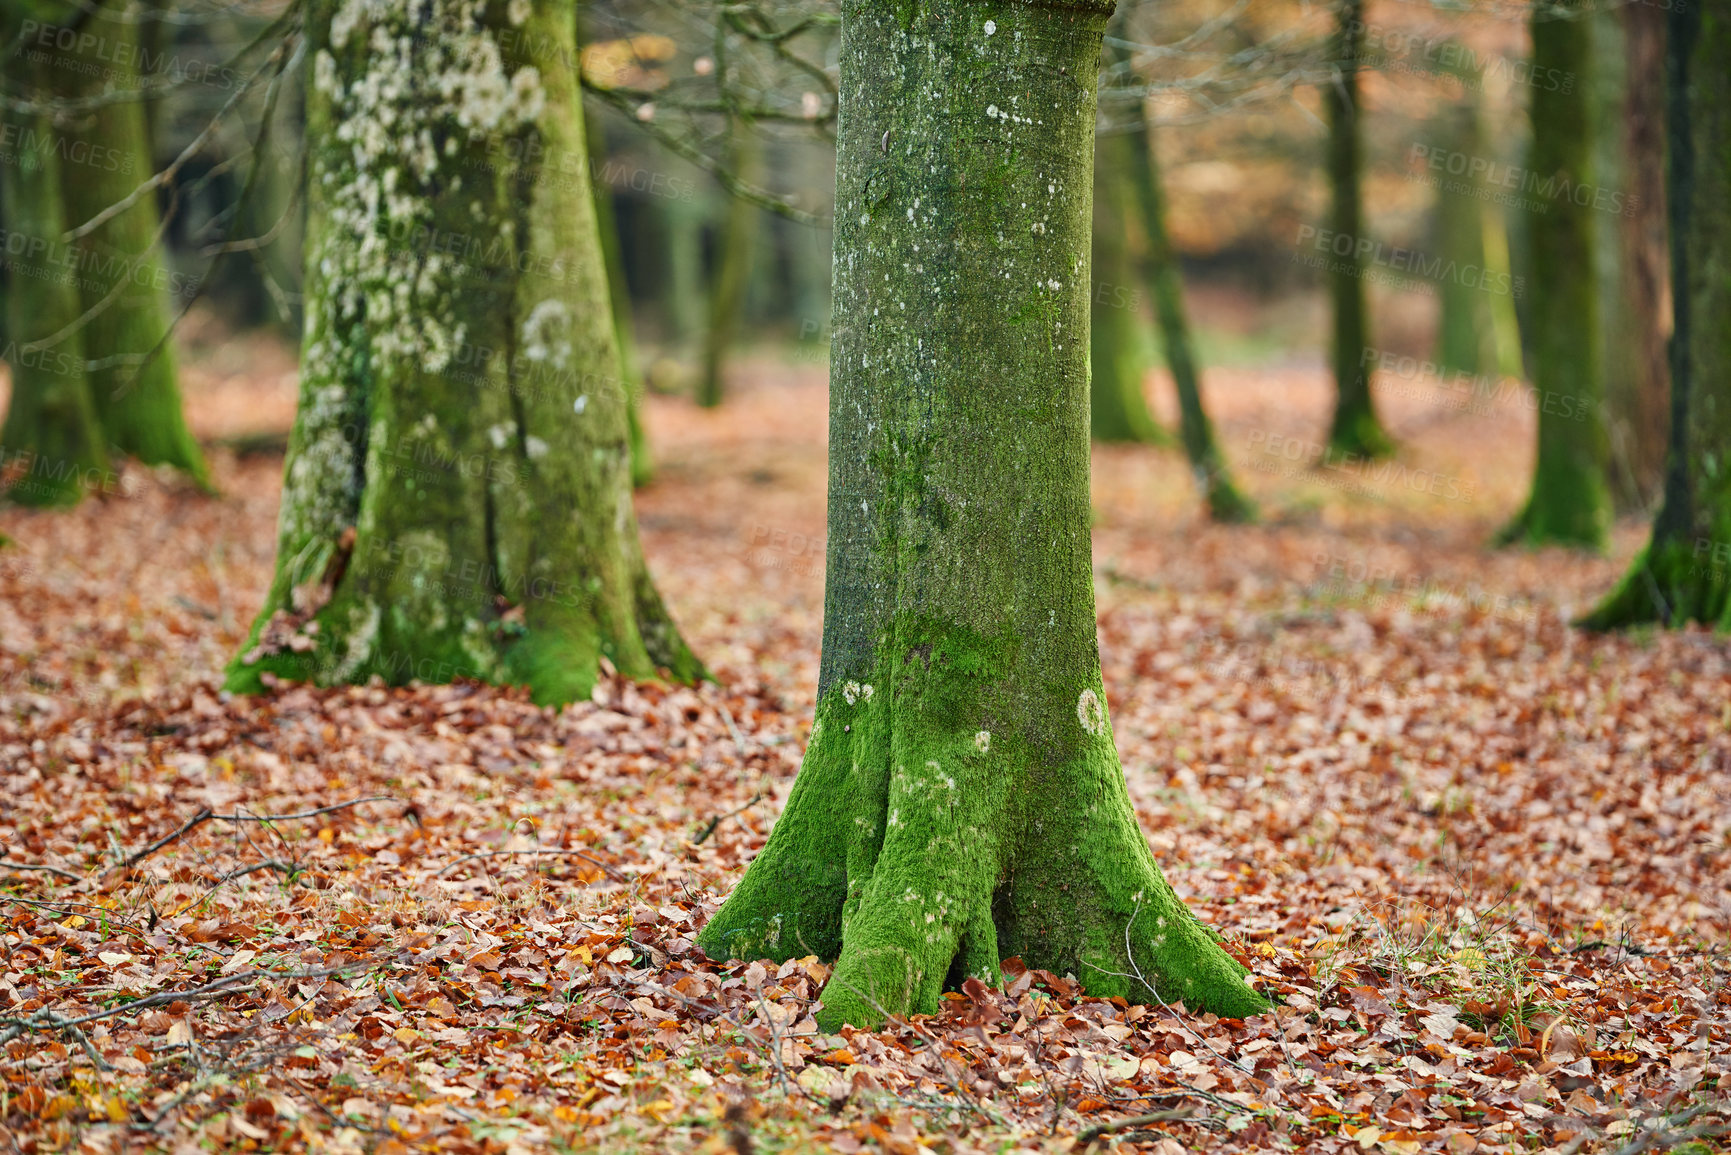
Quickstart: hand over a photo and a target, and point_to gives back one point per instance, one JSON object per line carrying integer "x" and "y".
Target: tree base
{"x": 1358, "y": 435}
{"x": 402, "y": 628}
{"x": 1669, "y": 584}
{"x": 1227, "y": 506}
{"x": 914, "y": 882}
{"x": 1571, "y": 525}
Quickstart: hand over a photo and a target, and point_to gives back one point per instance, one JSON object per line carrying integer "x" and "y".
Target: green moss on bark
{"x": 457, "y": 496}
{"x": 962, "y": 798}
{"x": 1570, "y": 500}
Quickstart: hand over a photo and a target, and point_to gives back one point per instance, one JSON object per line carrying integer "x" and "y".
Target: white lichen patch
{"x": 983, "y": 741}
{"x": 854, "y": 693}
{"x": 1091, "y": 713}
{"x": 547, "y": 334}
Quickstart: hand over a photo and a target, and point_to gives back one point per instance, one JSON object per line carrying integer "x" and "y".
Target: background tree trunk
{"x": 1165, "y": 280}
{"x": 1466, "y": 329}
{"x": 1117, "y": 334}
{"x": 123, "y": 281}
{"x": 1638, "y": 402}
{"x": 51, "y": 445}
{"x": 733, "y": 260}
{"x": 962, "y": 798}
{"x": 457, "y": 496}
{"x": 1355, "y": 429}
{"x": 619, "y": 300}
{"x": 1570, "y": 500}
{"x": 1684, "y": 574}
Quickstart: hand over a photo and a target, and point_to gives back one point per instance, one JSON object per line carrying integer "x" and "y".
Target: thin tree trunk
{"x": 1570, "y": 500}
{"x": 619, "y": 298}
{"x": 1355, "y": 430}
{"x": 1638, "y": 399}
{"x": 1466, "y": 330}
{"x": 1165, "y": 280}
{"x": 1684, "y": 574}
{"x": 1117, "y": 337}
{"x": 123, "y": 282}
{"x": 457, "y": 497}
{"x": 733, "y": 262}
{"x": 51, "y": 445}
{"x": 962, "y": 799}
{"x": 684, "y": 298}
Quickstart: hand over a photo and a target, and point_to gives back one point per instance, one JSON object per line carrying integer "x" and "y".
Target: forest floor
{"x": 1483, "y": 859}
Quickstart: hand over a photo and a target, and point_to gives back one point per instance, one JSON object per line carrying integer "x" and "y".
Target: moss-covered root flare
{"x": 1670, "y": 583}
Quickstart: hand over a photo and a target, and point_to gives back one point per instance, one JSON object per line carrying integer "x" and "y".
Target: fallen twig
{"x": 590, "y": 859}
{"x": 703, "y": 835}
{"x": 1085, "y": 1138}
{"x": 206, "y": 814}
{"x": 44, "y": 867}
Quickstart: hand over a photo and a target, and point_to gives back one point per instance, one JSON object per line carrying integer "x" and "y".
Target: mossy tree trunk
{"x": 962, "y": 800}
{"x": 111, "y": 345}
{"x": 1165, "y": 280}
{"x": 1355, "y": 429}
{"x": 1684, "y": 574}
{"x": 1117, "y": 337}
{"x": 1570, "y": 500}
{"x": 51, "y": 445}
{"x": 1638, "y": 403}
{"x": 123, "y": 282}
{"x": 733, "y": 260}
{"x": 457, "y": 494}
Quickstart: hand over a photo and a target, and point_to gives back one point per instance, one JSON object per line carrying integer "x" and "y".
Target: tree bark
{"x": 1638, "y": 402}
{"x": 1570, "y": 499}
{"x": 1117, "y": 337}
{"x": 1165, "y": 280}
{"x": 1466, "y": 330}
{"x": 123, "y": 282}
{"x": 619, "y": 299}
{"x": 962, "y": 800}
{"x": 1355, "y": 430}
{"x": 1684, "y": 573}
{"x": 733, "y": 261}
{"x": 51, "y": 445}
{"x": 457, "y": 497}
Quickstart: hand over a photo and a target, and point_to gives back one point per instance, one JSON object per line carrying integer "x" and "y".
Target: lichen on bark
{"x": 961, "y": 800}
{"x": 457, "y": 494}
